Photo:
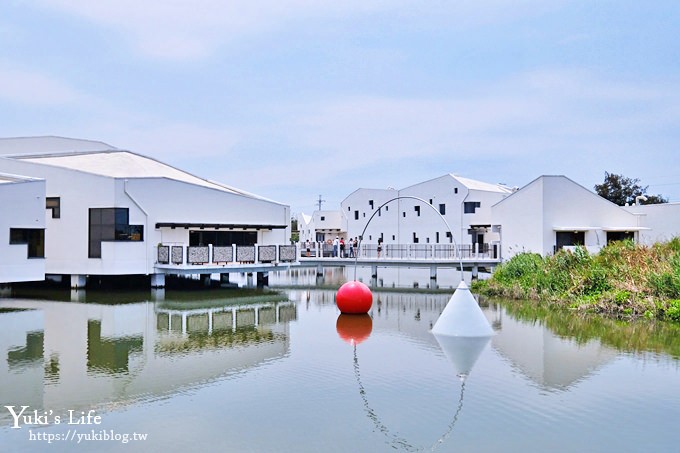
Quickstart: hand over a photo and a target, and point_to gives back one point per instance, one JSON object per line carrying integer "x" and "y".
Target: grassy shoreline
{"x": 623, "y": 280}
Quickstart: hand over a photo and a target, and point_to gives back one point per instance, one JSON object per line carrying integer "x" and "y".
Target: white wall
{"x": 149, "y": 200}
{"x": 529, "y": 218}
{"x": 380, "y": 224}
{"x": 22, "y": 205}
{"x": 520, "y": 218}
{"x": 399, "y": 221}
{"x": 663, "y": 221}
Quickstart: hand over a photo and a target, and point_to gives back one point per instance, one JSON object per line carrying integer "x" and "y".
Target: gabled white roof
{"x": 19, "y": 146}
{"x": 6, "y": 178}
{"x": 473, "y": 184}
{"x": 101, "y": 159}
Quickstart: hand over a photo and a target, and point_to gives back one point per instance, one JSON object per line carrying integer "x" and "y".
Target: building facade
{"x": 22, "y": 229}
{"x": 553, "y": 212}
{"x": 432, "y": 212}
{"x": 108, "y": 210}
{"x": 320, "y": 226}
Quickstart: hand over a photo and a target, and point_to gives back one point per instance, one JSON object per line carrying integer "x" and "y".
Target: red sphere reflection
{"x": 354, "y": 297}
{"x": 354, "y": 328}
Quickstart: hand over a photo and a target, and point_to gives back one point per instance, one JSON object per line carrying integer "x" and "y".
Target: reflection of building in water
{"x": 547, "y": 359}
{"x": 61, "y": 356}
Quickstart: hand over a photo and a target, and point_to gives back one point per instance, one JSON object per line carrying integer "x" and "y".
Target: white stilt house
{"x": 115, "y": 212}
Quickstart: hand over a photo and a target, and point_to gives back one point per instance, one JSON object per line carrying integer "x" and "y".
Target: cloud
{"x": 25, "y": 86}
{"x": 180, "y": 29}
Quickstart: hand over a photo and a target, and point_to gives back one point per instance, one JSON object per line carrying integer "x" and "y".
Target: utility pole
{"x": 319, "y": 201}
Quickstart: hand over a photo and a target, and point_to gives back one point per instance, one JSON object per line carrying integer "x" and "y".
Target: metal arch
{"x": 455, "y": 245}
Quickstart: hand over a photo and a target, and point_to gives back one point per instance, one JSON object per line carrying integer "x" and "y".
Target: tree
{"x": 621, "y": 190}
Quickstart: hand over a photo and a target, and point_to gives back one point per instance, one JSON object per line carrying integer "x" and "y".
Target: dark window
{"x": 567, "y": 238}
{"x": 356, "y": 215}
{"x": 394, "y": 238}
{"x": 387, "y": 208}
{"x": 415, "y": 238}
{"x": 404, "y": 214}
{"x": 323, "y": 218}
{"x": 348, "y": 208}
{"x": 370, "y": 203}
{"x": 225, "y": 238}
{"x": 54, "y": 203}
{"x": 379, "y": 212}
{"x": 437, "y": 237}
{"x": 111, "y": 224}
{"x": 442, "y": 209}
{"x": 613, "y": 236}
{"x": 469, "y": 207}
{"x": 430, "y": 200}
{"x": 417, "y": 209}
{"x": 34, "y": 237}
{"x": 455, "y": 190}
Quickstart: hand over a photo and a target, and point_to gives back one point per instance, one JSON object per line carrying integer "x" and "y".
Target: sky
{"x": 293, "y": 100}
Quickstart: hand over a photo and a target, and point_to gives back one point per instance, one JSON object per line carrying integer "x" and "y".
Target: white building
{"x": 464, "y": 203}
{"x": 661, "y": 220}
{"x": 22, "y": 229}
{"x": 552, "y": 212}
{"x": 109, "y": 209}
{"x": 320, "y": 226}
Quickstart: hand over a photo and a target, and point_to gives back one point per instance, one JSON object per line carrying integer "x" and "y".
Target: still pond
{"x": 281, "y": 370}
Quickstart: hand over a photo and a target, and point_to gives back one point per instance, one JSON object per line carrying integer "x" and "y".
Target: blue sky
{"x": 293, "y": 99}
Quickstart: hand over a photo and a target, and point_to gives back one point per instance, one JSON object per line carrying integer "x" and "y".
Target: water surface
{"x": 242, "y": 370}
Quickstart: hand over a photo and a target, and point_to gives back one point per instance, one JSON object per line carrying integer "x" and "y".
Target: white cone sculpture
{"x": 462, "y": 316}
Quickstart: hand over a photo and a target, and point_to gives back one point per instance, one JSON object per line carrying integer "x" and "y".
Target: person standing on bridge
{"x": 336, "y": 244}
{"x": 379, "y": 246}
{"x": 351, "y": 247}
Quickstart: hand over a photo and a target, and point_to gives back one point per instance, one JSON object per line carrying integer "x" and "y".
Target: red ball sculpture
{"x": 354, "y": 328}
{"x": 354, "y": 298}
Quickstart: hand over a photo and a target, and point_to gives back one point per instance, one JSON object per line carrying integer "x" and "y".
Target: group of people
{"x": 340, "y": 247}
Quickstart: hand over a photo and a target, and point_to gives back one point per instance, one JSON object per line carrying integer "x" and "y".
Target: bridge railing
{"x": 404, "y": 251}
{"x": 182, "y": 254}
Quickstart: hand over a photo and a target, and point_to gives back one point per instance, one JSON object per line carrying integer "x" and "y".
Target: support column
{"x": 224, "y": 279}
{"x": 205, "y": 278}
{"x": 158, "y": 280}
{"x": 475, "y": 272}
{"x": 374, "y": 271}
{"x": 78, "y": 281}
{"x": 433, "y": 274}
{"x": 319, "y": 270}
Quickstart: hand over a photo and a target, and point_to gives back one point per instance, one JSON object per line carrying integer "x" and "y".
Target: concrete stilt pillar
{"x": 319, "y": 271}
{"x": 475, "y": 272}
{"x": 205, "y": 278}
{"x": 249, "y": 279}
{"x": 374, "y": 271}
{"x": 78, "y": 281}
{"x": 158, "y": 280}
{"x": 433, "y": 272}
{"x": 224, "y": 278}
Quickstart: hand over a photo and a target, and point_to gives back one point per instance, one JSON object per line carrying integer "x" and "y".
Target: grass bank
{"x": 624, "y": 280}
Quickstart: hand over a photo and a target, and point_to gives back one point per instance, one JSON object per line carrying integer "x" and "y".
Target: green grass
{"x": 624, "y": 280}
